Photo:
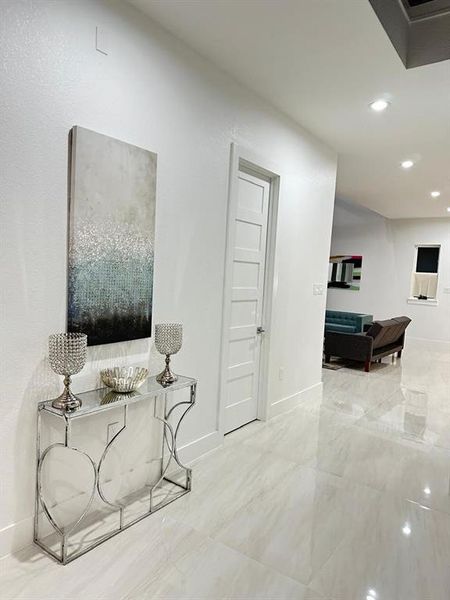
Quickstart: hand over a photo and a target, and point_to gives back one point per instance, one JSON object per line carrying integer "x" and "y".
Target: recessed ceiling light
{"x": 406, "y": 529}
{"x": 448, "y": 208}
{"x": 379, "y": 105}
{"x": 427, "y": 491}
{"x": 435, "y": 194}
{"x": 407, "y": 164}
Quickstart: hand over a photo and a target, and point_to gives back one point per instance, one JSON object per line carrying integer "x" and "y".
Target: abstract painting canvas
{"x": 345, "y": 272}
{"x": 111, "y": 238}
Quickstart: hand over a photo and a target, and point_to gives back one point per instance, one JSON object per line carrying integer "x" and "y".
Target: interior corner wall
{"x": 388, "y": 248}
{"x": 152, "y": 91}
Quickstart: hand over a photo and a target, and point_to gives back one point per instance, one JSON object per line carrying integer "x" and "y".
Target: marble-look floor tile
{"x": 412, "y": 415}
{"x": 314, "y": 595}
{"x": 161, "y": 558}
{"x": 300, "y": 435}
{"x": 296, "y": 526}
{"x": 352, "y": 395}
{"x": 211, "y": 570}
{"x": 420, "y": 442}
{"x": 391, "y": 373}
{"x": 362, "y": 457}
{"x": 104, "y": 573}
{"x": 419, "y": 475}
{"x": 228, "y": 479}
{"x": 342, "y": 498}
{"x": 410, "y": 371}
{"x": 424, "y": 477}
{"x": 439, "y": 398}
{"x": 237, "y": 436}
{"x": 399, "y": 551}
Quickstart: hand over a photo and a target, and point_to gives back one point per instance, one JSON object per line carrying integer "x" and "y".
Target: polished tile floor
{"x": 347, "y": 498}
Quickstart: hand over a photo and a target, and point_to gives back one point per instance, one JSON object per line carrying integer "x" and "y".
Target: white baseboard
{"x": 421, "y": 339}
{"x": 18, "y": 535}
{"x": 193, "y": 450}
{"x": 280, "y": 406}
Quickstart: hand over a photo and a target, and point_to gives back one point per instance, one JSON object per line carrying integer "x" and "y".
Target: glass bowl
{"x": 124, "y": 379}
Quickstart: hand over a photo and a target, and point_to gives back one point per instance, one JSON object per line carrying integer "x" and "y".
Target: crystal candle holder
{"x": 168, "y": 341}
{"x": 67, "y": 356}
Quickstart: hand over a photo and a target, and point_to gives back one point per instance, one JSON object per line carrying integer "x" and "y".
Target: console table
{"x": 101, "y": 517}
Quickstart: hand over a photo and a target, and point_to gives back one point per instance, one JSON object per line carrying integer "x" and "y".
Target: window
{"x": 427, "y": 259}
{"x": 424, "y": 279}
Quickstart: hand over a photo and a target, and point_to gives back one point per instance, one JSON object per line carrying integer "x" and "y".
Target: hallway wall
{"x": 152, "y": 91}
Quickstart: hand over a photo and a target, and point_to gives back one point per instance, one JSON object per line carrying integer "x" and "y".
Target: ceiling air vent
{"x": 418, "y": 29}
{"x": 421, "y": 9}
{"x": 417, "y": 2}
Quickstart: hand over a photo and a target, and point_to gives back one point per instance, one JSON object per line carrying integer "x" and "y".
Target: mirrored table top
{"x": 105, "y": 398}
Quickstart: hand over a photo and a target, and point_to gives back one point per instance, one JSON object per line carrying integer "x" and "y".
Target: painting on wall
{"x": 111, "y": 238}
{"x": 345, "y": 272}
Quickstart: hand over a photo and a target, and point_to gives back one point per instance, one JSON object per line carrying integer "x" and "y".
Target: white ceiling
{"x": 322, "y": 62}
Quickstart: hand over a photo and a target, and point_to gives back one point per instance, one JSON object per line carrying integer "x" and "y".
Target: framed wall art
{"x": 345, "y": 272}
{"x": 111, "y": 238}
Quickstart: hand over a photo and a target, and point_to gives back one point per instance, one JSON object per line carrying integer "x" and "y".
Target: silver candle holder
{"x": 168, "y": 341}
{"x": 67, "y": 356}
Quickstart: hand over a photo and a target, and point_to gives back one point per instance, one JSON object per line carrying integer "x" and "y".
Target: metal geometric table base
{"x": 169, "y": 456}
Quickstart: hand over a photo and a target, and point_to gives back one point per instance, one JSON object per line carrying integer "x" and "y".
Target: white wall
{"x": 154, "y": 92}
{"x": 388, "y": 251}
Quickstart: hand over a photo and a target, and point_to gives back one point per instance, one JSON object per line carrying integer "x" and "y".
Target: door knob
{"x": 260, "y": 330}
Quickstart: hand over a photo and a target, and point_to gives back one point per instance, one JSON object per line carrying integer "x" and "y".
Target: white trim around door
{"x": 246, "y": 375}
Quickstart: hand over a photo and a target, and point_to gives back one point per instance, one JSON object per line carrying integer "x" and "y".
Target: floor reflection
{"x": 345, "y": 497}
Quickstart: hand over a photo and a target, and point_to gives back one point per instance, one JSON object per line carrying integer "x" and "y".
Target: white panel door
{"x": 247, "y": 298}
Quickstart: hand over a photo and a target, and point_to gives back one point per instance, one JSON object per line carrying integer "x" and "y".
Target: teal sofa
{"x": 346, "y": 322}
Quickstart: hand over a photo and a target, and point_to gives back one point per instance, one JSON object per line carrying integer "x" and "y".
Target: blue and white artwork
{"x": 111, "y": 238}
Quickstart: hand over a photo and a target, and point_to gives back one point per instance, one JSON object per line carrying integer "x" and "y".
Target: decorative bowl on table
{"x": 124, "y": 379}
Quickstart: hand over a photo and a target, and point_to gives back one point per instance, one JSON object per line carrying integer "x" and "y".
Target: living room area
{"x": 385, "y": 416}
{"x": 388, "y": 288}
